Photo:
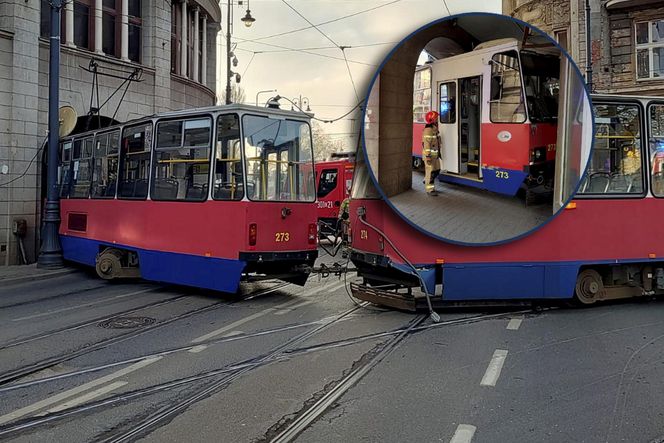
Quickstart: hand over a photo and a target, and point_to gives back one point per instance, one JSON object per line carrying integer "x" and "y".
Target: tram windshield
{"x": 541, "y": 79}
{"x": 279, "y": 159}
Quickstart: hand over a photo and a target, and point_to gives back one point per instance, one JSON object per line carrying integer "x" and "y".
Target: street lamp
{"x": 300, "y": 103}
{"x": 50, "y": 253}
{"x": 261, "y": 92}
{"x": 248, "y": 20}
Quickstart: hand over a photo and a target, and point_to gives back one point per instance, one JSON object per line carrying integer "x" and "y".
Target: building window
{"x": 421, "y": 94}
{"x": 190, "y": 45}
{"x": 135, "y": 26}
{"x": 650, "y": 50}
{"x": 561, "y": 38}
{"x": 83, "y": 31}
{"x": 111, "y": 14}
{"x": 176, "y": 38}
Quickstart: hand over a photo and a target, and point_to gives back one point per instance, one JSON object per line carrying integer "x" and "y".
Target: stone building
{"x": 627, "y": 39}
{"x": 169, "y": 47}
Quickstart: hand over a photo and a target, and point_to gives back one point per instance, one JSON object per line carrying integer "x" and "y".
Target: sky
{"x": 309, "y": 62}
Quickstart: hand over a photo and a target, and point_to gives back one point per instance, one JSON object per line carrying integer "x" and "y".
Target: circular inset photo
{"x": 477, "y": 129}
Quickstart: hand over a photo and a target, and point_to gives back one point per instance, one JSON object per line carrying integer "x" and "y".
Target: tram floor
{"x": 466, "y": 214}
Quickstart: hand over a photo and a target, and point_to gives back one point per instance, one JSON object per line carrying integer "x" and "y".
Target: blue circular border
{"x": 416, "y": 226}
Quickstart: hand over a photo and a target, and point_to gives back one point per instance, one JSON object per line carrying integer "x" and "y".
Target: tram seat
{"x": 598, "y": 182}
{"x": 110, "y": 190}
{"x": 166, "y": 189}
{"x": 141, "y": 188}
{"x": 619, "y": 184}
{"x": 196, "y": 192}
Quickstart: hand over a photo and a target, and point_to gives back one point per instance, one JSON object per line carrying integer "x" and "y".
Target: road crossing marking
{"x": 244, "y": 320}
{"x": 463, "y": 434}
{"x": 495, "y": 366}
{"x": 44, "y": 314}
{"x": 87, "y": 397}
{"x": 198, "y": 348}
{"x": 75, "y": 391}
{"x": 514, "y": 323}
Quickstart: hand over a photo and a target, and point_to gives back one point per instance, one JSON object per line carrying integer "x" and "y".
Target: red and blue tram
{"x": 334, "y": 179}
{"x": 498, "y": 107}
{"x": 204, "y": 197}
{"x": 605, "y": 244}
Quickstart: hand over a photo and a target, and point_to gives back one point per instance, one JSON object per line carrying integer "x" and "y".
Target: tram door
{"x": 470, "y": 91}
{"x": 447, "y": 125}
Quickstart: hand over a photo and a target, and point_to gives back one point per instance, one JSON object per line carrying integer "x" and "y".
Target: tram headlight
{"x": 313, "y": 231}
{"x": 538, "y": 155}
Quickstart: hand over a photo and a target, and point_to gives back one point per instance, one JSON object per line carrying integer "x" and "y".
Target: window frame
{"x": 649, "y": 46}
{"x": 117, "y": 15}
{"x": 82, "y": 138}
{"x": 336, "y": 181}
{"x": 91, "y": 24}
{"x": 648, "y": 160}
{"x": 246, "y": 167}
{"x": 526, "y": 118}
{"x": 439, "y": 95}
{"x": 618, "y": 101}
{"x": 136, "y": 21}
{"x": 176, "y": 38}
{"x": 105, "y": 132}
{"x": 155, "y": 150}
{"x": 213, "y": 157}
{"x": 123, "y": 159}
{"x": 416, "y": 90}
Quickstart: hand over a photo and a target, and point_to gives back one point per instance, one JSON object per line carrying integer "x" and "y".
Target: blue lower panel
{"x": 509, "y": 281}
{"x": 219, "y": 274}
{"x": 503, "y": 181}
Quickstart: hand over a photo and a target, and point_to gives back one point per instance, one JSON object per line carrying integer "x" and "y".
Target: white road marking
{"x": 335, "y": 287}
{"x": 85, "y": 305}
{"x": 198, "y": 348}
{"x": 75, "y": 391}
{"x": 233, "y": 334}
{"x": 495, "y": 366}
{"x": 87, "y": 397}
{"x": 463, "y": 434}
{"x": 514, "y": 323}
{"x": 244, "y": 320}
{"x": 292, "y": 308}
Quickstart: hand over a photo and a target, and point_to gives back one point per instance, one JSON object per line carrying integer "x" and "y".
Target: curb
{"x": 41, "y": 276}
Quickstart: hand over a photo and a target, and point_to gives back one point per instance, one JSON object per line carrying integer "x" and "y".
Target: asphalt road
{"x": 84, "y": 360}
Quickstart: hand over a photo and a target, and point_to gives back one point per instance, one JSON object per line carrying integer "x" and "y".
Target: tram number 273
{"x": 281, "y": 237}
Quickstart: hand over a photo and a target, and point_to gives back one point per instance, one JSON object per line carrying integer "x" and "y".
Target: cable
{"x": 325, "y": 22}
{"x": 241, "y": 40}
{"x": 248, "y": 64}
{"x": 307, "y": 20}
{"x": 29, "y": 164}
{"x": 447, "y": 7}
{"x": 357, "y": 97}
{"x": 329, "y": 120}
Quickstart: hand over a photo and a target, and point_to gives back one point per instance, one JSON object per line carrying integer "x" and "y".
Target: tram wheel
{"x": 109, "y": 265}
{"x": 589, "y": 286}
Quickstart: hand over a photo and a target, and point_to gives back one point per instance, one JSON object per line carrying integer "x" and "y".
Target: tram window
{"x": 615, "y": 166}
{"x": 228, "y": 177}
{"x": 278, "y": 159}
{"x": 656, "y": 145}
{"x": 81, "y": 171}
{"x": 64, "y": 169}
{"x": 135, "y": 163}
{"x": 327, "y": 183}
{"x": 421, "y": 94}
{"x": 506, "y": 104}
{"x": 182, "y": 160}
{"x": 447, "y": 106}
{"x": 105, "y": 171}
{"x": 541, "y": 77}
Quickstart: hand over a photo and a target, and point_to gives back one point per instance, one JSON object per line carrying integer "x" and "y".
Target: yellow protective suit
{"x": 431, "y": 156}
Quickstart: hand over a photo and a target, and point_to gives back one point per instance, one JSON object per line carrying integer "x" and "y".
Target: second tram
{"x": 204, "y": 197}
{"x": 498, "y": 107}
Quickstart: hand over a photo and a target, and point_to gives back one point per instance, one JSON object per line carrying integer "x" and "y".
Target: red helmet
{"x": 431, "y": 117}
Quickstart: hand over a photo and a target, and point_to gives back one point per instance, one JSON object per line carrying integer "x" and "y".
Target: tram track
{"x": 16, "y": 374}
{"x": 231, "y": 372}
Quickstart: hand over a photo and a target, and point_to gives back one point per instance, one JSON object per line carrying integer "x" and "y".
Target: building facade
{"x": 119, "y": 60}
{"x": 627, "y": 39}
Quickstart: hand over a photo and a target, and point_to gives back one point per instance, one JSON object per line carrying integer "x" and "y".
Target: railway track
{"x": 9, "y": 376}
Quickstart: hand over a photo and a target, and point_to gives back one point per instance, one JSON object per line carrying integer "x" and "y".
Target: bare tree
{"x": 237, "y": 94}
{"x": 324, "y": 145}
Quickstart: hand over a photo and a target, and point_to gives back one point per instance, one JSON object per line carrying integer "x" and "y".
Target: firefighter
{"x": 431, "y": 152}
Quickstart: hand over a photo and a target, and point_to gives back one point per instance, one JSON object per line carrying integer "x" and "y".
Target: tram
{"x": 605, "y": 244}
{"x": 498, "y": 107}
{"x": 204, "y": 197}
{"x": 334, "y": 180}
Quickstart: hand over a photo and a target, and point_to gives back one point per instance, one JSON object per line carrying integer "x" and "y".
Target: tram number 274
{"x": 502, "y": 174}
{"x": 281, "y": 237}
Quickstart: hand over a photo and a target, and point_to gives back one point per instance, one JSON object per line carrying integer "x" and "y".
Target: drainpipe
{"x": 589, "y": 55}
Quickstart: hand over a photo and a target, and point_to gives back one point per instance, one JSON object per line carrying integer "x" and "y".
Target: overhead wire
{"x": 447, "y": 7}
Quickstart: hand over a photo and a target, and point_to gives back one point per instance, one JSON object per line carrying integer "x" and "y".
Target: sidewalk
{"x": 19, "y": 274}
